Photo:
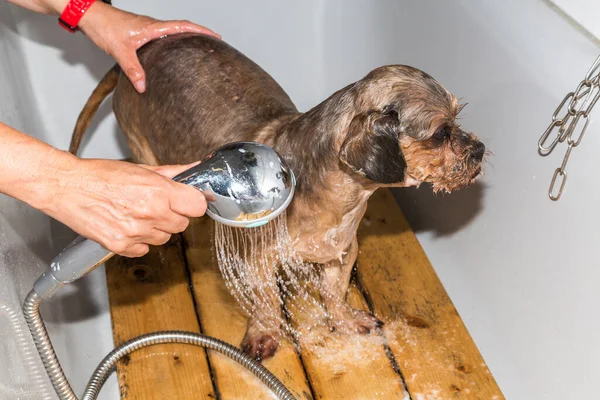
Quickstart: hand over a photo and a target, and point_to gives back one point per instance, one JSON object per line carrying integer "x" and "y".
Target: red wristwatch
{"x": 70, "y": 17}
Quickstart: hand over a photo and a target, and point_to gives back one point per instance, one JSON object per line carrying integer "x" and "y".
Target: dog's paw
{"x": 261, "y": 344}
{"x": 356, "y": 321}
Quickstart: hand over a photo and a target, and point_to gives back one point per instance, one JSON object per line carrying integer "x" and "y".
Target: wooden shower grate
{"x": 426, "y": 352}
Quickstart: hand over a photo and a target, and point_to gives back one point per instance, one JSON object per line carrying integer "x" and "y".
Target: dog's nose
{"x": 478, "y": 152}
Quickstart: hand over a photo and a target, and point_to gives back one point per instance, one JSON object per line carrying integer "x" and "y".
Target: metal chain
{"x": 570, "y": 122}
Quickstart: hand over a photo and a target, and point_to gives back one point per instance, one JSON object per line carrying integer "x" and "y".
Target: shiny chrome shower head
{"x": 246, "y": 184}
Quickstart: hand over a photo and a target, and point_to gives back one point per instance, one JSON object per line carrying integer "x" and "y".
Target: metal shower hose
{"x": 31, "y": 310}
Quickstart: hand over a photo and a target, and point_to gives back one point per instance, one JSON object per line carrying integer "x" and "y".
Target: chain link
{"x": 574, "y": 111}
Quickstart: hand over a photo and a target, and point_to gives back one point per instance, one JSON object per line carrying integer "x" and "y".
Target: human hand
{"x": 125, "y": 207}
{"x": 121, "y": 34}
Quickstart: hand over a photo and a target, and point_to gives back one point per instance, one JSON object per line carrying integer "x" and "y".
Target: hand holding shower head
{"x": 246, "y": 184}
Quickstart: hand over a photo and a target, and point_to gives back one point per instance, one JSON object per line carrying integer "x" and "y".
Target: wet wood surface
{"x": 434, "y": 350}
{"x": 344, "y": 365}
{"x": 152, "y": 294}
{"x": 221, "y": 317}
{"x": 424, "y": 347}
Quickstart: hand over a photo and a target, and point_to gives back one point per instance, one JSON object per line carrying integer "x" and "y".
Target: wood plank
{"x": 435, "y": 352}
{"x": 343, "y": 366}
{"x": 221, "y": 317}
{"x": 151, "y": 294}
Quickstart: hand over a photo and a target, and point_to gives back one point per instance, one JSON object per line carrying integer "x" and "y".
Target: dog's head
{"x": 404, "y": 132}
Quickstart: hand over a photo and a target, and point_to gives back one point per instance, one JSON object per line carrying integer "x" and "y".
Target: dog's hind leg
{"x": 334, "y": 287}
{"x": 140, "y": 149}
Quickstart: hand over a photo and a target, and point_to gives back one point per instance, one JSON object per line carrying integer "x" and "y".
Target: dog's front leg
{"x": 334, "y": 287}
{"x": 263, "y": 332}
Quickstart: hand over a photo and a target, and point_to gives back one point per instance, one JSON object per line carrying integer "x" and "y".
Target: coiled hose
{"x": 31, "y": 310}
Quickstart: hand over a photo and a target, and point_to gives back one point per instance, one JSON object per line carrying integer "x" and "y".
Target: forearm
{"x": 93, "y": 16}
{"x": 32, "y": 171}
{"x": 42, "y": 6}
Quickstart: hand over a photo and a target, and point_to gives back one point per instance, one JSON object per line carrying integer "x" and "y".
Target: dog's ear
{"x": 372, "y": 148}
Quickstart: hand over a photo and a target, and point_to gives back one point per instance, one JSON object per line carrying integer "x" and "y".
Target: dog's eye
{"x": 442, "y": 133}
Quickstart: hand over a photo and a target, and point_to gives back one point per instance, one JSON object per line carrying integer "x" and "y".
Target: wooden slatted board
{"x": 424, "y": 352}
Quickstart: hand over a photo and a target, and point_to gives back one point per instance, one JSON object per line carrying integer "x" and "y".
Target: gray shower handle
{"x": 76, "y": 260}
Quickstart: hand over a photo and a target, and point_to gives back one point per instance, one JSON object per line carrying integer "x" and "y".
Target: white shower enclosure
{"x": 521, "y": 270}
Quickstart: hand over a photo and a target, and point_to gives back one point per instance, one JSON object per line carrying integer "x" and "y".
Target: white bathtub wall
{"x": 21, "y": 373}
{"x": 519, "y": 268}
{"x": 78, "y": 316}
{"x": 581, "y": 12}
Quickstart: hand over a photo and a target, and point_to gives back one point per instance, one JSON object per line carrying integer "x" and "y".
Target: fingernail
{"x": 140, "y": 86}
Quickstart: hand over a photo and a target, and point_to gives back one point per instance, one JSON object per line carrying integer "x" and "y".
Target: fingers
{"x": 187, "y": 200}
{"x": 154, "y": 30}
{"x": 172, "y": 27}
{"x": 175, "y": 223}
{"x": 141, "y": 246}
{"x": 130, "y": 65}
{"x": 158, "y": 238}
{"x": 136, "y": 250}
{"x": 170, "y": 171}
{"x": 184, "y": 200}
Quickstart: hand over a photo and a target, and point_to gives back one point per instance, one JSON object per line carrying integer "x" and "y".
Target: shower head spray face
{"x": 246, "y": 184}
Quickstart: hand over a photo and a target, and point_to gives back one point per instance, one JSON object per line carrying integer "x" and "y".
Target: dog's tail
{"x": 104, "y": 88}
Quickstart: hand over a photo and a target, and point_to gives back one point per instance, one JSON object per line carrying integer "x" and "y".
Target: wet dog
{"x": 396, "y": 127}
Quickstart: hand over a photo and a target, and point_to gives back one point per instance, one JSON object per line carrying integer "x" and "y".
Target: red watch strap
{"x": 72, "y": 14}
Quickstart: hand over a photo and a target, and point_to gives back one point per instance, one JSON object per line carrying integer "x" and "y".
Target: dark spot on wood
{"x": 212, "y": 396}
{"x": 126, "y": 360}
{"x": 307, "y": 396}
{"x": 454, "y": 388}
{"x": 466, "y": 368}
{"x": 140, "y": 272}
{"x": 383, "y": 220}
{"x": 417, "y": 322}
{"x": 177, "y": 359}
{"x": 124, "y": 389}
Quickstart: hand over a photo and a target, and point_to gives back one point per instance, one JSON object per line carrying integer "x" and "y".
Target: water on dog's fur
{"x": 247, "y": 260}
{"x": 247, "y": 257}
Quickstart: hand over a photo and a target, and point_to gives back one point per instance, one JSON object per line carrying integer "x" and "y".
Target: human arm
{"x": 123, "y": 206}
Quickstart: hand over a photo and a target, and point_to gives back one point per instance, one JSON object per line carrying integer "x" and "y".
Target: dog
{"x": 396, "y": 127}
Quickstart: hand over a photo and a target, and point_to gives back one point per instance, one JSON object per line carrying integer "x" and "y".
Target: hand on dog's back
{"x": 123, "y": 206}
